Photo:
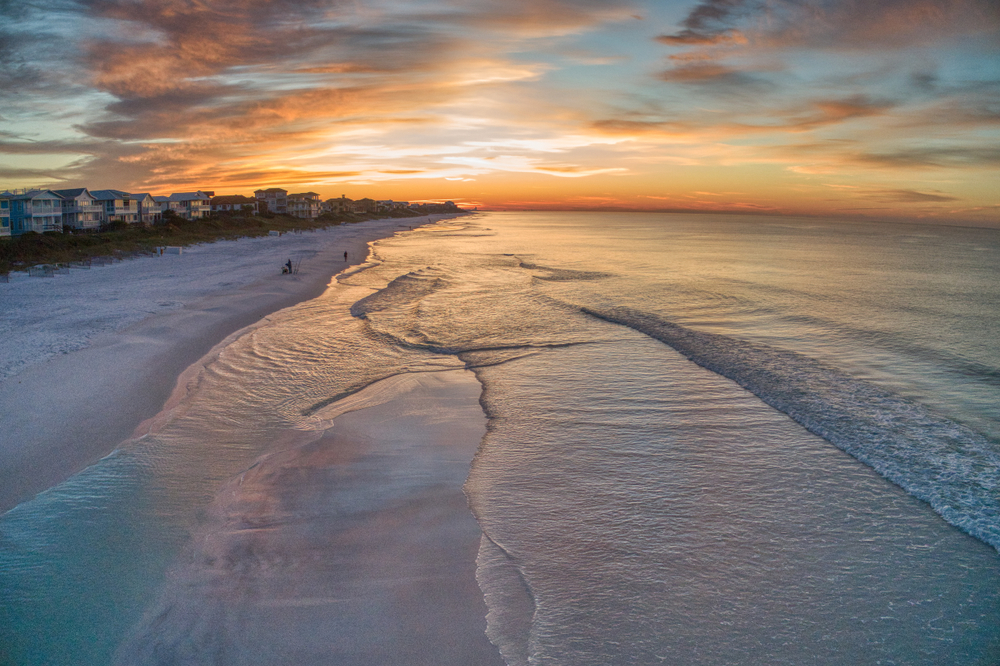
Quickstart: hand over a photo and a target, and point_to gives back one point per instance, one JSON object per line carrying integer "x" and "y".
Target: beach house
{"x": 272, "y": 200}
{"x": 385, "y": 205}
{"x": 234, "y": 203}
{"x": 35, "y": 210}
{"x": 341, "y": 205}
{"x": 166, "y": 205}
{"x": 4, "y": 215}
{"x": 305, "y": 206}
{"x": 365, "y": 205}
{"x": 149, "y": 208}
{"x": 189, "y": 205}
{"x": 80, "y": 210}
{"x": 118, "y": 206}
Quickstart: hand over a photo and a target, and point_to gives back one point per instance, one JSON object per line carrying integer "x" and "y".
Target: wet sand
{"x": 355, "y": 548}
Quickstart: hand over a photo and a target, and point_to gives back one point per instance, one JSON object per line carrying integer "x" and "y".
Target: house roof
{"x": 106, "y": 195}
{"x": 72, "y": 193}
{"x": 32, "y": 194}
{"x": 272, "y": 190}
{"x": 233, "y": 199}
{"x": 188, "y": 196}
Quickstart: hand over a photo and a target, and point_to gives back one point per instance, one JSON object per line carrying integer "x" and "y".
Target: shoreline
{"x": 63, "y": 414}
{"x": 355, "y": 545}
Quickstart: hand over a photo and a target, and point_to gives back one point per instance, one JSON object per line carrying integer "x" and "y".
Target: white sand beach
{"x": 90, "y": 355}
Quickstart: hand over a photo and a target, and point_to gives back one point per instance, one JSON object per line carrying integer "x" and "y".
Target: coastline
{"x": 355, "y": 547}
{"x": 66, "y": 412}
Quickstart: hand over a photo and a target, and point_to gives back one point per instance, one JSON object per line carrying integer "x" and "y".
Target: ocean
{"x": 710, "y": 440}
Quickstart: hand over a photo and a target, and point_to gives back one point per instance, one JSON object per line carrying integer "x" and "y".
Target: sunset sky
{"x": 872, "y": 108}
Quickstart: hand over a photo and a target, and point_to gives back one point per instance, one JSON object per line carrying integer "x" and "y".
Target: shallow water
{"x": 645, "y": 510}
{"x": 666, "y": 477}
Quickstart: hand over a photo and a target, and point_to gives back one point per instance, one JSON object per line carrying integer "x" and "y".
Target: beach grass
{"x": 123, "y": 240}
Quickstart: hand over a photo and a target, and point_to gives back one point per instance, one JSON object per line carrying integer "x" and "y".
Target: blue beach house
{"x": 4, "y": 215}
{"x": 35, "y": 210}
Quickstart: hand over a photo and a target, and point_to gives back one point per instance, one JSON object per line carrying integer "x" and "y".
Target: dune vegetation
{"x": 120, "y": 240}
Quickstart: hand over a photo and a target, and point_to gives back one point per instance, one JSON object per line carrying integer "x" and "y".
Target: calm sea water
{"x": 712, "y": 440}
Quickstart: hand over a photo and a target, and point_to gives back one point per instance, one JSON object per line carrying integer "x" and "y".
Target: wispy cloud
{"x": 835, "y": 24}
{"x": 904, "y": 196}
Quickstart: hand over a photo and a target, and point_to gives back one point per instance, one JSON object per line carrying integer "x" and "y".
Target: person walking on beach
{"x": 288, "y": 266}
{"x": 345, "y": 256}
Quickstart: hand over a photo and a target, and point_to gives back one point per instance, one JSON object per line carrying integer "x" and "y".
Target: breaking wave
{"x": 950, "y": 466}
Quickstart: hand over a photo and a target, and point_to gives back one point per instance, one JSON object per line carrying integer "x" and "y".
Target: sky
{"x": 849, "y": 108}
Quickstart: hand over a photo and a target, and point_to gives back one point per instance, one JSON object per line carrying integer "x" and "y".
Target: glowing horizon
{"x": 850, "y": 108}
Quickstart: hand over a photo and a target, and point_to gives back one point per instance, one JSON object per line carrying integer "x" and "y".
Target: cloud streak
{"x": 835, "y": 24}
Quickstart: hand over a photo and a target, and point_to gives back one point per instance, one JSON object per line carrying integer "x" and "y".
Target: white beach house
{"x": 274, "y": 200}
{"x": 80, "y": 210}
{"x": 306, "y": 206}
{"x": 149, "y": 208}
{"x": 189, "y": 205}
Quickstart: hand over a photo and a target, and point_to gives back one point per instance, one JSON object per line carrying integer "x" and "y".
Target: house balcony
{"x": 42, "y": 222}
